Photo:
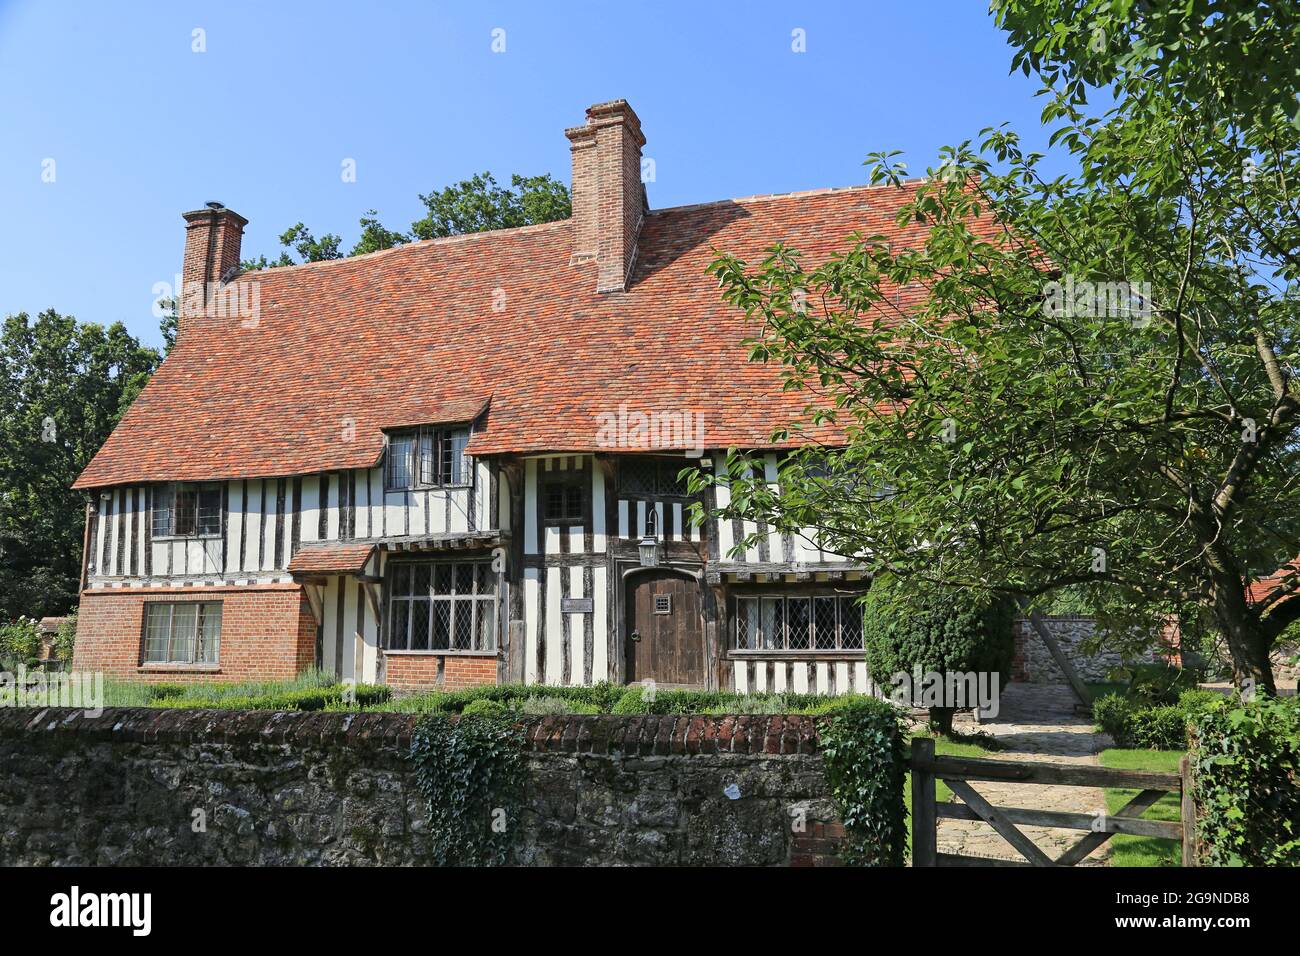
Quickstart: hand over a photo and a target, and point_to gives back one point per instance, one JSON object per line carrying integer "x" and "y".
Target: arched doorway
{"x": 664, "y": 628}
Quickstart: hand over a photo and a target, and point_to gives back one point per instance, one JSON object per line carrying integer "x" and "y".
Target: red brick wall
{"x": 469, "y": 672}
{"x": 267, "y": 633}
{"x": 422, "y": 671}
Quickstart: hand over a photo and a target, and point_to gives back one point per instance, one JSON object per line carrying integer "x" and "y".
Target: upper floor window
{"x": 427, "y": 458}
{"x": 187, "y": 511}
{"x": 562, "y": 500}
{"x": 656, "y": 477}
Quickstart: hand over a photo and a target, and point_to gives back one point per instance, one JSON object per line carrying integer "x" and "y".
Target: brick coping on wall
{"x": 633, "y": 735}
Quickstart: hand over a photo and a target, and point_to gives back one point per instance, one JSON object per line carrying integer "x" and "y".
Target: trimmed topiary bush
{"x": 1246, "y": 775}
{"x": 949, "y": 633}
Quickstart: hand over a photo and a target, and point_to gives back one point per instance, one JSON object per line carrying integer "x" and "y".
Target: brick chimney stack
{"x": 212, "y": 239}
{"x": 609, "y": 200}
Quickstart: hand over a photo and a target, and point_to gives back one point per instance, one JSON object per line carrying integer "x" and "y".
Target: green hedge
{"x": 1135, "y": 725}
{"x": 1246, "y": 772}
{"x": 866, "y": 765}
{"x": 307, "y": 698}
{"x": 610, "y": 698}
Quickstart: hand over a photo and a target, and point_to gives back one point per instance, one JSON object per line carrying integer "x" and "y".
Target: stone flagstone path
{"x": 1037, "y": 722}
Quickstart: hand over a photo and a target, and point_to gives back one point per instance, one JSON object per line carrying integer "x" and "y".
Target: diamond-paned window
{"x": 818, "y": 622}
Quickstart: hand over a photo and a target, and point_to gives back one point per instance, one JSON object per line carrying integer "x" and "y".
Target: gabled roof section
{"x": 437, "y": 331}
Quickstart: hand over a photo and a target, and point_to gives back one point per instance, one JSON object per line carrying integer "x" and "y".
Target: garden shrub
{"x": 1246, "y": 774}
{"x": 65, "y": 639}
{"x": 20, "y": 644}
{"x": 300, "y": 699}
{"x": 470, "y": 771}
{"x": 484, "y": 707}
{"x": 866, "y": 765}
{"x": 1136, "y": 725}
{"x": 541, "y": 706}
{"x": 953, "y": 632}
{"x": 633, "y": 702}
{"x": 1154, "y": 683}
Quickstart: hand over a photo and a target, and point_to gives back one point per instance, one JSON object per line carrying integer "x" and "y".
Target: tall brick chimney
{"x": 212, "y": 239}
{"x": 608, "y": 198}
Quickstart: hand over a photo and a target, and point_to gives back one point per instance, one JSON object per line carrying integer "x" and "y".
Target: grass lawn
{"x": 1136, "y": 850}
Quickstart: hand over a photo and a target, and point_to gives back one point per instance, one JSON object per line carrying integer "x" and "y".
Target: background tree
{"x": 940, "y": 633}
{"x": 1081, "y": 380}
{"x": 476, "y": 204}
{"x": 63, "y": 385}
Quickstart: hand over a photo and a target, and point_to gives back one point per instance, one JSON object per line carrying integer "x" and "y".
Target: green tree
{"x": 476, "y": 204}
{"x": 299, "y": 238}
{"x": 952, "y": 633}
{"x": 374, "y": 236}
{"x": 1085, "y": 379}
{"x": 64, "y": 385}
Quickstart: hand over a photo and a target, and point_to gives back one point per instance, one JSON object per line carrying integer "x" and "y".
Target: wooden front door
{"x": 665, "y": 630}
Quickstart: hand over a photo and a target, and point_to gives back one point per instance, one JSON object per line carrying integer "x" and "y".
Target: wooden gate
{"x": 958, "y": 772}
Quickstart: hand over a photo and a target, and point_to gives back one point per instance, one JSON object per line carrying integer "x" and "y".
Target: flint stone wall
{"x": 183, "y": 787}
{"x": 1033, "y": 662}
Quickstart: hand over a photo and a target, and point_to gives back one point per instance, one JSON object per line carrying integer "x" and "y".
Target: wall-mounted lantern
{"x": 649, "y": 543}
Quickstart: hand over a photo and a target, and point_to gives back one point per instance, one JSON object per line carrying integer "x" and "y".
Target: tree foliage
{"x": 1085, "y": 379}
{"x": 63, "y": 385}
{"x": 476, "y": 204}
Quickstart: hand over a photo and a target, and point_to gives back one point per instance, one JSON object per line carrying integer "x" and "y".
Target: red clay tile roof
{"x": 346, "y": 348}
{"x": 1282, "y": 579}
{"x": 330, "y": 558}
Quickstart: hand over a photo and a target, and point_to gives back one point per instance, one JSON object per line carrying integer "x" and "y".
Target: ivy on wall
{"x": 470, "y": 771}
{"x": 1246, "y": 768}
{"x": 866, "y": 765}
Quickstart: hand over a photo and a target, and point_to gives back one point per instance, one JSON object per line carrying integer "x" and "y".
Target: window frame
{"x": 566, "y": 485}
{"x": 201, "y": 618}
{"x": 431, "y": 459}
{"x": 782, "y": 599}
{"x": 670, "y": 488}
{"x": 169, "y": 492}
{"x": 475, "y": 600}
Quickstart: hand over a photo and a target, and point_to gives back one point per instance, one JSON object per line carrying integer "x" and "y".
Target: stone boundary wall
{"x": 218, "y": 787}
{"x": 1032, "y": 661}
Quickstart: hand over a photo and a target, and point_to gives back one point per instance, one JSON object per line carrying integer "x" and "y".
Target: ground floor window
{"x": 182, "y": 633}
{"x": 804, "y": 622}
{"x": 442, "y": 606}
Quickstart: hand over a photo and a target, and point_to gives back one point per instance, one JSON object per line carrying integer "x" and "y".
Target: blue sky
{"x": 141, "y": 128}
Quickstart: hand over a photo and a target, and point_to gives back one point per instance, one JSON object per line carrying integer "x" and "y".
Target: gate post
{"x": 925, "y": 843}
{"x": 1190, "y": 849}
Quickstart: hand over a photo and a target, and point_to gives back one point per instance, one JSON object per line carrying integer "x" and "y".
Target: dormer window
{"x": 187, "y": 511}
{"x": 427, "y": 458}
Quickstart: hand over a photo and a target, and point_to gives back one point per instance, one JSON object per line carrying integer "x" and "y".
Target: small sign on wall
{"x": 575, "y": 605}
